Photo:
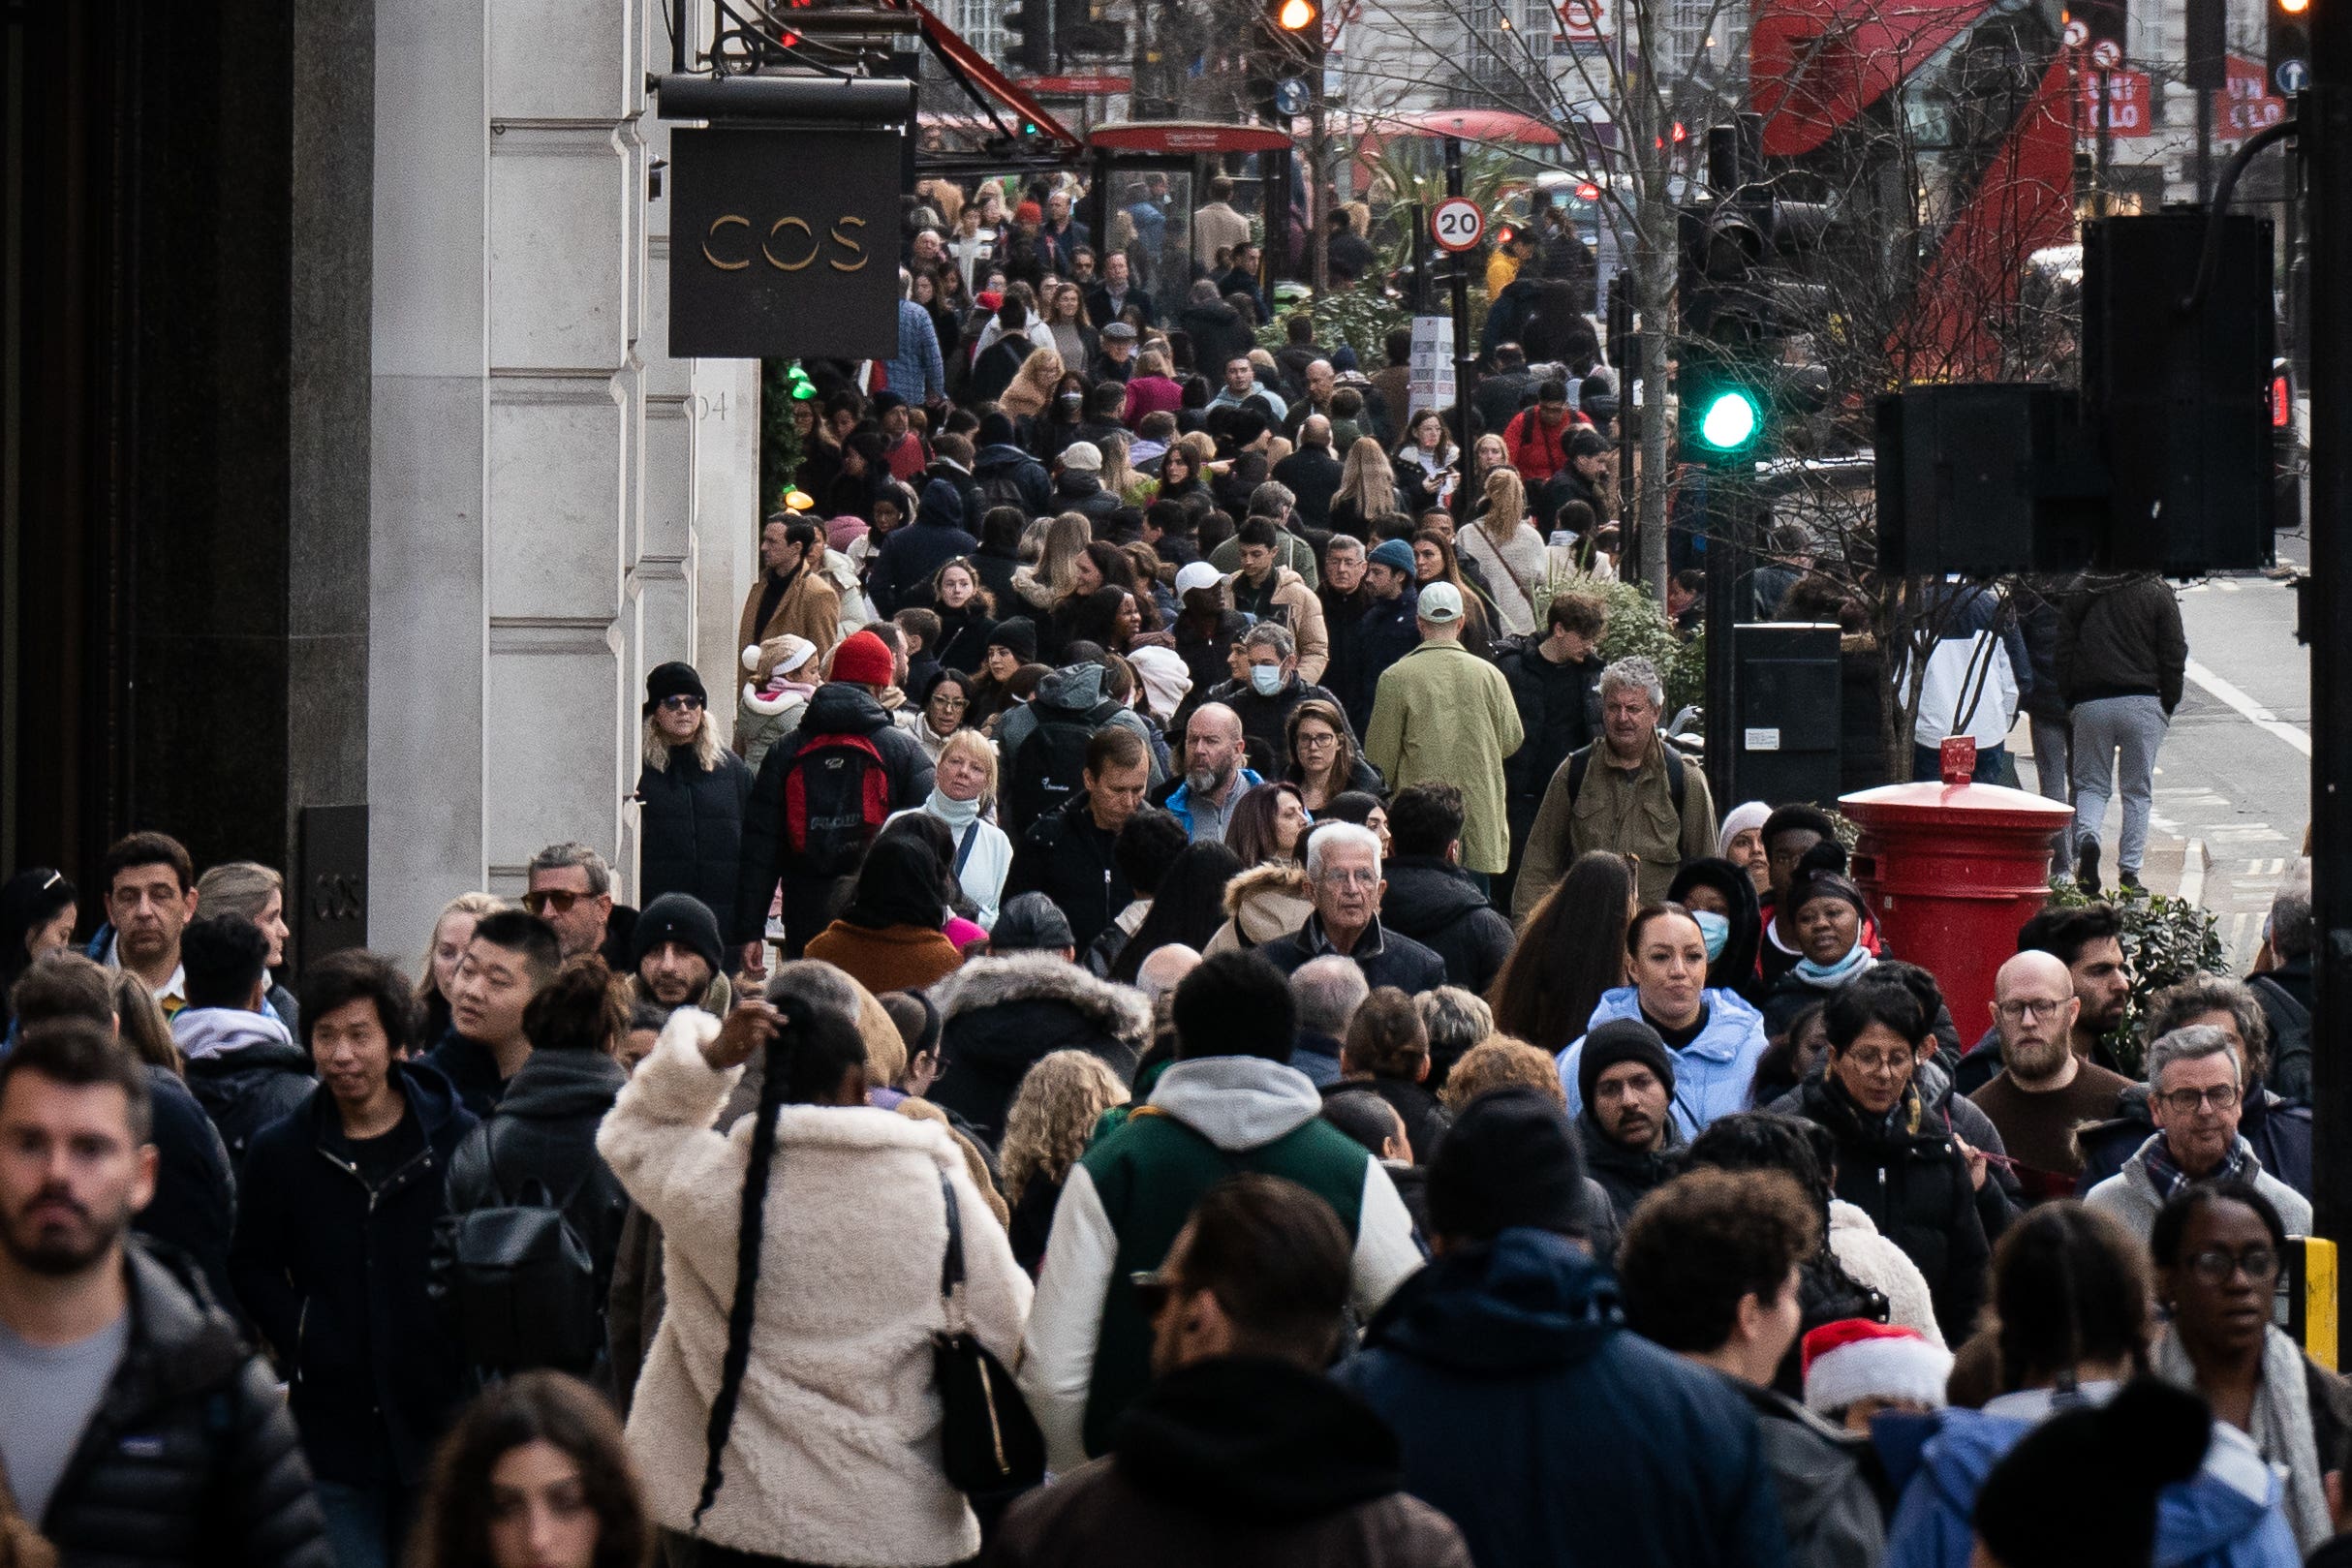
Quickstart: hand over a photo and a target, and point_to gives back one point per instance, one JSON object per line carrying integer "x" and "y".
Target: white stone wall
{"x": 557, "y": 504}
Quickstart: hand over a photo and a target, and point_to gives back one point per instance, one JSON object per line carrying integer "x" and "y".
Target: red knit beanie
{"x": 864, "y": 660}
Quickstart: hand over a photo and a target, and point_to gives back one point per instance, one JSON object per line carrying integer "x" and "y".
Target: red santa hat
{"x": 1853, "y": 1360}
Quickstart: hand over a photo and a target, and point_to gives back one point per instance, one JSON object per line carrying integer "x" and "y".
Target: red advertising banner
{"x": 2127, "y": 104}
{"x": 2245, "y": 106}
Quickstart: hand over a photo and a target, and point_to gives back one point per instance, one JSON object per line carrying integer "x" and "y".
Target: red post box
{"x": 1952, "y": 870}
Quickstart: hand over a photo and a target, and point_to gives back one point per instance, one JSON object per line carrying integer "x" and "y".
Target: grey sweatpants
{"x": 2115, "y": 752}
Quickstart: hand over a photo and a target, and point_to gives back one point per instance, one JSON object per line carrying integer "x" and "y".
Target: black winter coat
{"x": 545, "y": 1130}
{"x": 1065, "y": 857}
{"x": 1204, "y": 658}
{"x": 1558, "y": 709}
{"x": 1387, "y": 957}
{"x": 837, "y": 709}
{"x": 334, "y": 1276}
{"x": 1389, "y": 633}
{"x": 1915, "y": 1188}
{"x": 963, "y": 635}
{"x": 692, "y": 830}
{"x": 998, "y": 1017}
{"x": 195, "y": 1204}
{"x": 1425, "y": 1120}
{"x": 246, "y": 1089}
{"x": 191, "y": 1459}
{"x": 1627, "y": 1176}
{"x": 1437, "y": 906}
{"x": 1344, "y": 627}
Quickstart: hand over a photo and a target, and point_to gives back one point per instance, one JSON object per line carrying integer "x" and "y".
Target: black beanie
{"x": 675, "y": 679}
{"x": 1621, "y": 1040}
{"x": 996, "y": 429}
{"x": 676, "y": 917}
{"x": 1017, "y": 636}
{"x": 1509, "y": 1159}
{"x": 2080, "y": 1489}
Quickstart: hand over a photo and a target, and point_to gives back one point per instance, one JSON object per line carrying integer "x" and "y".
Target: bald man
{"x": 2043, "y": 1091}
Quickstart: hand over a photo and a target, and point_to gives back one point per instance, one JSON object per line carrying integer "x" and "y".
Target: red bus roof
{"x": 1490, "y": 125}
{"x": 1188, "y": 135}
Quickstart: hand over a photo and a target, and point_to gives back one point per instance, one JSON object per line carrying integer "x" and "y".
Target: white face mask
{"x": 1265, "y": 679}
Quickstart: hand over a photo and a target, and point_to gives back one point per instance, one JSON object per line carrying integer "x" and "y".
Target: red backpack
{"x": 836, "y": 796}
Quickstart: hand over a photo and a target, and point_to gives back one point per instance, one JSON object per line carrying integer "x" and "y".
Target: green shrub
{"x": 2166, "y": 939}
{"x": 1360, "y": 318}
{"x": 1637, "y": 626}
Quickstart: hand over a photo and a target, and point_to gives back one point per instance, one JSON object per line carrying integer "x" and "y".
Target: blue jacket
{"x": 1179, "y": 801}
{"x": 911, "y": 555}
{"x": 1027, "y": 474}
{"x": 1550, "y": 1434}
{"x": 917, "y": 372}
{"x": 1713, "y": 1074}
{"x": 2227, "y": 1516}
{"x": 333, "y": 1275}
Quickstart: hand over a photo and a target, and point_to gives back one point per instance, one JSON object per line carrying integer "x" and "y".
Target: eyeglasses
{"x": 559, "y": 899}
{"x": 2188, "y": 1101}
{"x": 1890, "y": 1066}
{"x": 2028, "y": 1009}
{"x": 1312, "y": 742}
{"x": 682, "y": 702}
{"x": 950, "y": 704}
{"x": 2214, "y": 1267}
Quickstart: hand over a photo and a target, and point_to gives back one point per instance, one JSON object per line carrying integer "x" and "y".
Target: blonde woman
{"x": 691, "y": 796}
{"x": 1507, "y": 550}
{"x": 1033, "y": 385}
{"x": 1367, "y": 491}
{"x": 444, "y": 948}
{"x": 1053, "y": 1114}
{"x": 247, "y": 890}
{"x": 963, "y": 797}
{"x": 1055, "y": 575}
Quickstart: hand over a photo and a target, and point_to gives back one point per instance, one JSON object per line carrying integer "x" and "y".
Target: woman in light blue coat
{"x": 1716, "y": 1037}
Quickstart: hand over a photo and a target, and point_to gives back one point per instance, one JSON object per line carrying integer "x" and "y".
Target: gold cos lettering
{"x": 781, "y": 225}
{"x": 734, "y": 220}
{"x": 850, "y": 245}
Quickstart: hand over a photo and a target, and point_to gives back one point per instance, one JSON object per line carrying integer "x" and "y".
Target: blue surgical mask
{"x": 1716, "y": 929}
{"x": 1265, "y": 679}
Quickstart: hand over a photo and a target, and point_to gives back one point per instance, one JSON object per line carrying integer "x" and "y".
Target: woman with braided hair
{"x": 788, "y": 1412}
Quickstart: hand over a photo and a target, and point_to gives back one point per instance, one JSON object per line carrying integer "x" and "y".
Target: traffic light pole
{"x": 2324, "y": 114}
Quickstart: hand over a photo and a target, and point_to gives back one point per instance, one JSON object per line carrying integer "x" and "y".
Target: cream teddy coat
{"x": 834, "y": 1453}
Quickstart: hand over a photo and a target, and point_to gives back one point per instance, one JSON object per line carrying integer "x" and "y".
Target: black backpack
{"x": 517, "y": 1280}
{"x": 1050, "y": 766}
{"x": 1001, "y": 488}
{"x": 836, "y": 797}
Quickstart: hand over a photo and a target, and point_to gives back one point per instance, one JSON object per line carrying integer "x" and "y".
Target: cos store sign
{"x": 783, "y": 243}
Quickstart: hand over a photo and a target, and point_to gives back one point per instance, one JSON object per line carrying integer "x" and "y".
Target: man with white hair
{"x": 2195, "y": 1084}
{"x": 1343, "y": 880}
{"x": 1327, "y": 991}
{"x": 1628, "y": 792}
{"x": 1442, "y": 715}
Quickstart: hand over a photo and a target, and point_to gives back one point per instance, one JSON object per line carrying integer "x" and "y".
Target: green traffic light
{"x": 1729, "y": 423}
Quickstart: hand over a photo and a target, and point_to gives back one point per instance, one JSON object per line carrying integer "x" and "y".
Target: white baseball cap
{"x": 1198, "y": 574}
{"x": 1439, "y": 604}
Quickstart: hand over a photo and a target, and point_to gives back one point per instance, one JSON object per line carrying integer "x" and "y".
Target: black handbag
{"x": 988, "y": 1440}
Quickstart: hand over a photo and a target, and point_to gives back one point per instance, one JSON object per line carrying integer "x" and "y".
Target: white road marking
{"x": 2193, "y": 862}
{"x": 2252, "y": 711}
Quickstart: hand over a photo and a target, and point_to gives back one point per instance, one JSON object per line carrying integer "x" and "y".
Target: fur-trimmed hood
{"x": 1266, "y": 902}
{"x": 1001, "y": 1016}
{"x": 988, "y": 982}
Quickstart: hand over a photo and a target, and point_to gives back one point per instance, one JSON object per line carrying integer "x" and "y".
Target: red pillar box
{"x": 1952, "y": 870}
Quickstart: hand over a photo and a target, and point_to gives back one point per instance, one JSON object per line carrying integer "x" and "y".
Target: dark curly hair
{"x": 454, "y": 1529}
{"x": 1704, "y": 1240}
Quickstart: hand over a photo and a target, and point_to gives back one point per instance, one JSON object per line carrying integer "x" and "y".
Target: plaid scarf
{"x": 2169, "y": 1179}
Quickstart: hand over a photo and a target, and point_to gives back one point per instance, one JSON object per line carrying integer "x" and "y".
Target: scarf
{"x": 2170, "y": 1180}
{"x": 958, "y": 814}
{"x": 2282, "y": 1424}
{"x": 1830, "y": 976}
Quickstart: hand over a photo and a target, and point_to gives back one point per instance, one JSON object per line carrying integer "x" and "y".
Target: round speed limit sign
{"x": 1457, "y": 225}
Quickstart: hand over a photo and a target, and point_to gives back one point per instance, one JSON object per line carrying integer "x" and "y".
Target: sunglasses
{"x": 682, "y": 702}
{"x": 559, "y": 899}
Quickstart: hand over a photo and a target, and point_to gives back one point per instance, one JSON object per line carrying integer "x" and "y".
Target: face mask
{"x": 1716, "y": 929}
{"x": 1265, "y": 679}
{"x": 1071, "y": 402}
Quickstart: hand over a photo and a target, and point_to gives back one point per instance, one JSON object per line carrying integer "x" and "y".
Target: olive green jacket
{"x": 1443, "y": 715}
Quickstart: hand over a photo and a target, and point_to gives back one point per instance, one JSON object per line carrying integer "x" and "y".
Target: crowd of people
{"x": 1193, "y": 1015}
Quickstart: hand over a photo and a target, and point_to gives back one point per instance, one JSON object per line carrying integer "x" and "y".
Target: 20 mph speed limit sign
{"x": 1457, "y": 225}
